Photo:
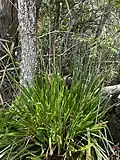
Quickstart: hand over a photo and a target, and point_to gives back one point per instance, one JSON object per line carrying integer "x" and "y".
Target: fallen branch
{"x": 115, "y": 89}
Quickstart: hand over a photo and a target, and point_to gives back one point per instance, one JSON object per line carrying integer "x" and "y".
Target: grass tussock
{"x": 49, "y": 121}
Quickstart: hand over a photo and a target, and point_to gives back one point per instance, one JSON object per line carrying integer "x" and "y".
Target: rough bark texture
{"x": 28, "y": 23}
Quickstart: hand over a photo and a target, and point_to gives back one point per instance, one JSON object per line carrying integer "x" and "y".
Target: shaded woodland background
{"x": 69, "y": 32}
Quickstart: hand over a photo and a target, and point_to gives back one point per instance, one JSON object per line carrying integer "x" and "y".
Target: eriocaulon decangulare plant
{"x": 49, "y": 121}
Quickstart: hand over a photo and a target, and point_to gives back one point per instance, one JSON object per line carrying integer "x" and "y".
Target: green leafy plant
{"x": 50, "y": 121}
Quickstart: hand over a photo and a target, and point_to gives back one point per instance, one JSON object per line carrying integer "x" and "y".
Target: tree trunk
{"x": 28, "y": 25}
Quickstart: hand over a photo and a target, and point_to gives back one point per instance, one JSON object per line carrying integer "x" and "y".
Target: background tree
{"x": 8, "y": 38}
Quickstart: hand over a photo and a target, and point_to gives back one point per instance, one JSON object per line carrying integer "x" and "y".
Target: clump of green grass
{"x": 50, "y": 121}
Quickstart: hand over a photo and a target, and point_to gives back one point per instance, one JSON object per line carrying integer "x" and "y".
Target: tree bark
{"x": 28, "y": 27}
